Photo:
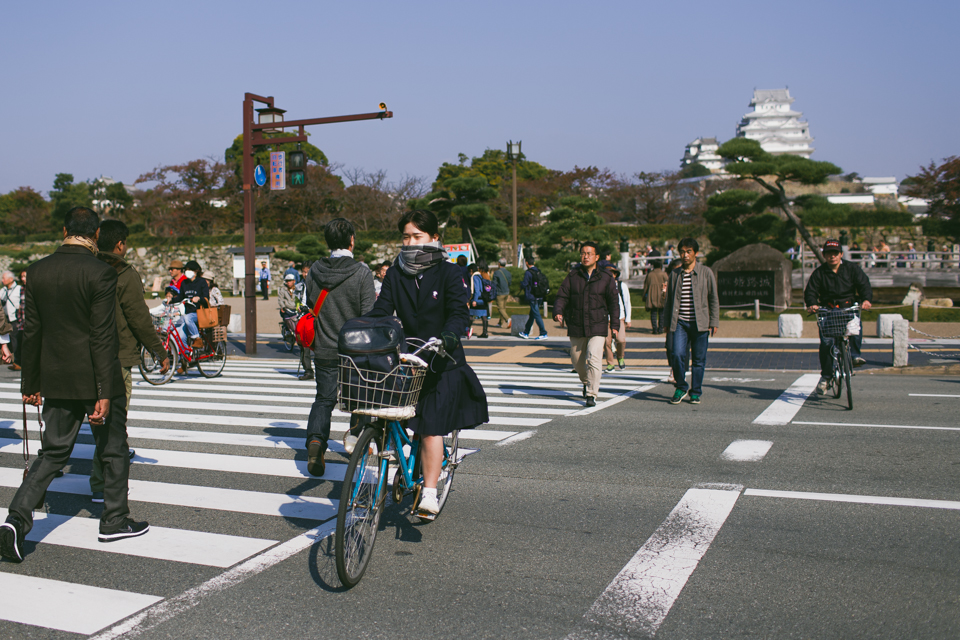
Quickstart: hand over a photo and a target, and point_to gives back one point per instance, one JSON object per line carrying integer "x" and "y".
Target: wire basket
{"x": 833, "y": 322}
{"x": 392, "y": 395}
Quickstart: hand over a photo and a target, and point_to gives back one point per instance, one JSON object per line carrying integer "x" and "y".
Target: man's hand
{"x": 626, "y": 324}
{"x": 32, "y": 399}
{"x": 812, "y": 308}
{"x": 100, "y": 411}
{"x": 165, "y": 365}
{"x": 558, "y": 318}
{"x": 865, "y": 305}
{"x": 7, "y": 356}
{"x": 195, "y": 299}
{"x": 713, "y": 331}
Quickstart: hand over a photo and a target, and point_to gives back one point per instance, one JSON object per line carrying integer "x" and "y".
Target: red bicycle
{"x": 209, "y": 359}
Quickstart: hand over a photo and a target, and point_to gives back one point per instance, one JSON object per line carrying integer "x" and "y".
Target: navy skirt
{"x": 450, "y": 400}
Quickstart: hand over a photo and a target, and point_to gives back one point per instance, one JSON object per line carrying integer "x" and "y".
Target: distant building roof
{"x": 771, "y": 95}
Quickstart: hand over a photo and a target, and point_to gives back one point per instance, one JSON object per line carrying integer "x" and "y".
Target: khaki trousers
{"x": 608, "y": 353}
{"x": 502, "y": 308}
{"x": 587, "y": 355}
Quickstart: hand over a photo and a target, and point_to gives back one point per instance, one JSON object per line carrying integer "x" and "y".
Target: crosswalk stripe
{"x": 161, "y": 543}
{"x": 65, "y": 606}
{"x": 280, "y": 467}
{"x": 200, "y": 497}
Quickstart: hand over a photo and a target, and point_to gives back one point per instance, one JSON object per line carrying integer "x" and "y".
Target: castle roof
{"x": 771, "y": 95}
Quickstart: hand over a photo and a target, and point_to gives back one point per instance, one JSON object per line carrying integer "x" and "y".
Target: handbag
{"x": 207, "y": 318}
{"x": 305, "y": 325}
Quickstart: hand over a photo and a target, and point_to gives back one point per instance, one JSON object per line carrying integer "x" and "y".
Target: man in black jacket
{"x": 70, "y": 360}
{"x": 837, "y": 284}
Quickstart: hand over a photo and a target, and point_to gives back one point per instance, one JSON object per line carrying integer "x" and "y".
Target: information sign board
{"x": 743, "y": 287}
{"x": 278, "y": 171}
{"x": 259, "y": 175}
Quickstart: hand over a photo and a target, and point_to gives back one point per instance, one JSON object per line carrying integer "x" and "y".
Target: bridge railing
{"x": 901, "y": 260}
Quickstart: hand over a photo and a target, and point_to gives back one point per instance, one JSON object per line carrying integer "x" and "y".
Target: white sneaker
{"x": 523, "y": 335}
{"x": 822, "y": 385}
{"x": 349, "y": 442}
{"x": 542, "y": 336}
{"x": 428, "y": 503}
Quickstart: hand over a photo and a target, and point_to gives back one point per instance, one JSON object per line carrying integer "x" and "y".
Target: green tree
{"x": 751, "y": 162}
{"x": 940, "y": 186}
{"x": 233, "y": 155}
{"x": 65, "y": 196}
{"x": 110, "y": 199}
{"x": 739, "y": 218}
{"x": 695, "y": 170}
{"x": 24, "y": 211}
{"x": 463, "y": 201}
{"x": 568, "y": 226}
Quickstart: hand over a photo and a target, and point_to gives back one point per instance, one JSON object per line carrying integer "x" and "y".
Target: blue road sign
{"x": 259, "y": 175}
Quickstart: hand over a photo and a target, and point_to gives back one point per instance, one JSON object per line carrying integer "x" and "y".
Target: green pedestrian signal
{"x": 296, "y": 168}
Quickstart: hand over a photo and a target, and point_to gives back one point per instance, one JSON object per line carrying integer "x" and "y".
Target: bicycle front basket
{"x": 833, "y": 322}
{"x": 392, "y": 395}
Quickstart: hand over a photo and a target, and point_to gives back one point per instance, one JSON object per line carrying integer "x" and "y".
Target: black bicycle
{"x": 840, "y": 324}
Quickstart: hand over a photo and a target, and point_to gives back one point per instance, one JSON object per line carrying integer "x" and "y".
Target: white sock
{"x": 432, "y": 493}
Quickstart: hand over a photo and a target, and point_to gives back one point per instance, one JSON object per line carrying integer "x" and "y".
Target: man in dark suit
{"x": 70, "y": 360}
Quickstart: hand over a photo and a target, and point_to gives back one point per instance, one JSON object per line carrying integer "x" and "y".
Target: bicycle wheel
{"x": 451, "y": 451}
{"x": 211, "y": 366}
{"x": 361, "y": 504}
{"x": 848, "y": 375}
{"x": 150, "y": 367}
{"x": 837, "y": 368}
{"x": 289, "y": 338}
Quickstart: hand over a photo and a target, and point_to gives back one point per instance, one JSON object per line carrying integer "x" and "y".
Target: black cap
{"x": 193, "y": 265}
{"x": 830, "y": 245}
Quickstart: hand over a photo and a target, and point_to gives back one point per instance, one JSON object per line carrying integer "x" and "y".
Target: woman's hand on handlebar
{"x": 449, "y": 340}
{"x": 812, "y": 308}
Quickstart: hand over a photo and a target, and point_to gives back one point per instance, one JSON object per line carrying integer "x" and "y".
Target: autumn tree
{"x": 940, "y": 186}
{"x": 373, "y": 202}
{"x": 749, "y": 161}
{"x": 24, "y": 211}
{"x": 197, "y": 197}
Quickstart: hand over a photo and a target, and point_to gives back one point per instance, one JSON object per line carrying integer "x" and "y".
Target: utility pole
{"x": 253, "y": 137}
{"x": 513, "y": 151}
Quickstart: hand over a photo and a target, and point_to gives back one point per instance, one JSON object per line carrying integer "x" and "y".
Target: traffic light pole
{"x": 253, "y": 137}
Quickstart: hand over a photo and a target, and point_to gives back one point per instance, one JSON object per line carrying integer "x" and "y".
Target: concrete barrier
{"x": 234, "y": 324}
{"x": 885, "y": 324}
{"x": 901, "y": 342}
{"x": 790, "y": 325}
{"x": 518, "y": 323}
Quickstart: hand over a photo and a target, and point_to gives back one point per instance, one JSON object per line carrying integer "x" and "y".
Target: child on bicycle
{"x": 428, "y": 294}
{"x": 837, "y": 284}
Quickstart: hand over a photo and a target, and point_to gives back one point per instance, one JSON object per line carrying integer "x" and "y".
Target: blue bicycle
{"x": 384, "y": 448}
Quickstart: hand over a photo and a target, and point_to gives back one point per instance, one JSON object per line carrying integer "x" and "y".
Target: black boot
{"x": 484, "y": 334}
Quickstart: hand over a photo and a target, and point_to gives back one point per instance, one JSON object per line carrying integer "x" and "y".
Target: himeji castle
{"x": 776, "y": 126}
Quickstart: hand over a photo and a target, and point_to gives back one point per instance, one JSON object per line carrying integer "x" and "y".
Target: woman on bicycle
{"x": 428, "y": 294}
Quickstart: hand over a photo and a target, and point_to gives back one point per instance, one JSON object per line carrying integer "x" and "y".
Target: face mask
{"x": 190, "y": 274}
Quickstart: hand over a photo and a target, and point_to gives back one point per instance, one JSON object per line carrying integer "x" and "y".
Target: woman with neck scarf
{"x": 428, "y": 294}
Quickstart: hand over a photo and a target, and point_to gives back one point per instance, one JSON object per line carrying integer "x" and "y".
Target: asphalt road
{"x": 537, "y": 530}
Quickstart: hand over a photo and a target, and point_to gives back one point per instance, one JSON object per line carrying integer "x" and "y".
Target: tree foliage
{"x": 740, "y": 218}
{"x": 233, "y": 155}
{"x": 464, "y": 201}
{"x": 750, "y": 162}
{"x": 189, "y": 199}
{"x": 65, "y": 196}
{"x": 24, "y": 211}
{"x": 568, "y": 226}
{"x": 940, "y": 186}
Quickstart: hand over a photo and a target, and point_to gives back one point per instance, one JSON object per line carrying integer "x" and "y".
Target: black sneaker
{"x": 97, "y": 496}
{"x": 308, "y": 375}
{"x": 584, "y": 391}
{"x": 316, "y": 465}
{"x": 591, "y": 401}
{"x": 11, "y": 539}
{"x": 130, "y": 529}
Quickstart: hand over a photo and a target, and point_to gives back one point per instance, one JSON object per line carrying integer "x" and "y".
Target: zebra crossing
{"x": 220, "y": 473}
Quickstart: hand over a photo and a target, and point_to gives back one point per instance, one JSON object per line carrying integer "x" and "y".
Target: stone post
{"x": 901, "y": 342}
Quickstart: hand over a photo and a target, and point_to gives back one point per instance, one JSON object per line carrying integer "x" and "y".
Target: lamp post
{"x": 513, "y": 153}
{"x": 268, "y": 119}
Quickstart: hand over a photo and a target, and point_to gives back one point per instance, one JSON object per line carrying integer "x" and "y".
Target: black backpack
{"x": 540, "y": 286}
{"x": 486, "y": 290}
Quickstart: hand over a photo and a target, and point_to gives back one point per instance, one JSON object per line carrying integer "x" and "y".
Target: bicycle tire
{"x": 289, "y": 338}
{"x": 212, "y": 366}
{"x": 451, "y": 445}
{"x": 848, "y": 375}
{"x": 838, "y": 369}
{"x": 361, "y": 503}
{"x": 150, "y": 368}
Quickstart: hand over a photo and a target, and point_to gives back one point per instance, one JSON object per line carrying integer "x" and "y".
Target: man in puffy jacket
{"x": 349, "y": 293}
{"x": 589, "y": 303}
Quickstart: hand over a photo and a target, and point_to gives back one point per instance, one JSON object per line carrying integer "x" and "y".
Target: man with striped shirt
{"x": 693, "y": 313}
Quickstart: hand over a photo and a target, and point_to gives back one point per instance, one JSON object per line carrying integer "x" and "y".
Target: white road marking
{"x": 742, "y": 379}
{"x": 782, "y": 410}
{"x": 746, "y": 450}
{"x": 616, "y": 400}
{"x": 640, "y": 597}
{"x": 841, "y": 497}
{"x": 163, "y": 611}
{"x": 185, "y": 495}
{"x": 65, "y": 606}
{"x": 516, "y": 438}
{"x": 161, "y": 543}
{"x": 934, "y": 395}
{"x": 875, "y": 426}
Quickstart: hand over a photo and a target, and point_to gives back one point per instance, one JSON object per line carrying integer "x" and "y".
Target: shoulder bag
{"x": 305, "y": 331}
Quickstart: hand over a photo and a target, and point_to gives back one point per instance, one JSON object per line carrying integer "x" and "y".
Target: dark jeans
{"x": 62, "y": 420}
{"x": 535, "y": 316}
{"x": 656, "y": 319}
{"x": 826, "y": 345}
{"x": 17, "y": 339}
{"x": 264, "y": 288}
{"x": 686, "y": 340}
{"x": 318, "y": 424}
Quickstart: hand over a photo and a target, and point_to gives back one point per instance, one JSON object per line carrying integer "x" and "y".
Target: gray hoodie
{"x": 350, "y": 294}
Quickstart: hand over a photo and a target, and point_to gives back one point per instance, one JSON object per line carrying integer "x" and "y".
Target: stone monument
{"x": 755, "y": 272}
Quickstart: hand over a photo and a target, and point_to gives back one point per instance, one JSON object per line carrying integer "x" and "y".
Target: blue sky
{"x": 118, "y": 88}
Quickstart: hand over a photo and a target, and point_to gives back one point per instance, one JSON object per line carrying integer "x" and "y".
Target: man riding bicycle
{"x": 837, "y": 284}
